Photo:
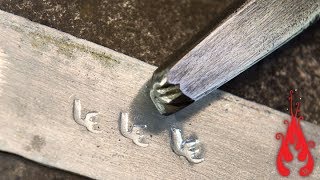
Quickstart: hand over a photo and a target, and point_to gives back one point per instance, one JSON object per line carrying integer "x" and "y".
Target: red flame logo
{"x": 296, "y": 138}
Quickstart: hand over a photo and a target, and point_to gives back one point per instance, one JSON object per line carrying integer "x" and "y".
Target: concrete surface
{"x": 153, "y": 30}
{"x": 14, "y": 167}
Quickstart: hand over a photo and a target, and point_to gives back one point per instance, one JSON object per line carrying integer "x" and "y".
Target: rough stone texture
{"x": 15, "y": 167}
{"x": 153, "y": 30}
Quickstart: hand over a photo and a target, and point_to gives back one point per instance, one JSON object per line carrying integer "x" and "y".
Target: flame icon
{"x": 294, "y": 137}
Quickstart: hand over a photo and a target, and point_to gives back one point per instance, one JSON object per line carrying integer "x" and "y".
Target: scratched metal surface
{"x": 36, "y": 114}
{"x": 166, "y": 26}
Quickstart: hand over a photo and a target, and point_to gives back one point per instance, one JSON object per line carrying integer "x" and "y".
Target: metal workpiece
{"x": 254, "y": 31}
{"x": 167, "y": 97}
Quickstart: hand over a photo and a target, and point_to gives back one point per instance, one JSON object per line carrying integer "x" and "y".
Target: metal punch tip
{"x": 167, "y": 97}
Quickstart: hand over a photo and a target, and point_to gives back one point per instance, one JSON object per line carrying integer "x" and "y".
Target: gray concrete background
{"x": 154, "y": 30}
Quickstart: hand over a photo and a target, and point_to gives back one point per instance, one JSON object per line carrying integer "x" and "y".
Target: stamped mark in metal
{"x": 188, "y": 148}
{"x": 134, "y": 132}
{"x": 88, "y": 122}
